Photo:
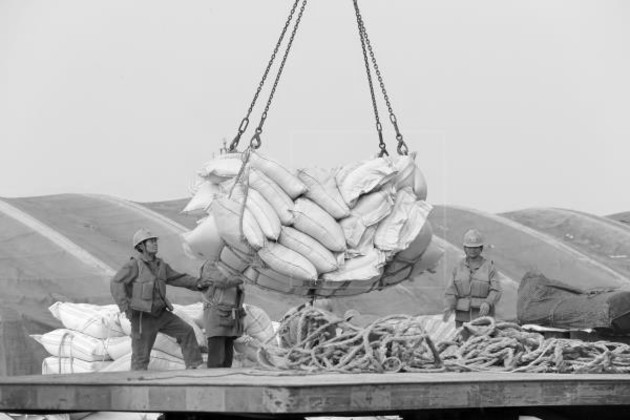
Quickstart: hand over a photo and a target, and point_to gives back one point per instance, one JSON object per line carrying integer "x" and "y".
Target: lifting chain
{"x": 245, "y": 121}
{"x": 255, "y": 141}
{"x": 365, "y": 43}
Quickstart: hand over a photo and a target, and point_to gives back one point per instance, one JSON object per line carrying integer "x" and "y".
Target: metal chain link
{"x": 255, "y": 141}
{"x": 245, "y": 122}
{"x": 379, "y": 127}
{"x": 402, "y": 146}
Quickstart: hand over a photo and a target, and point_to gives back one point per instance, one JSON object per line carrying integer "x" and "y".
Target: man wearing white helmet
{"x": 474, "y": 289}
{"x": 139, "y": 290}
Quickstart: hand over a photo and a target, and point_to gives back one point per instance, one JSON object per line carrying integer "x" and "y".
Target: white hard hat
{"x": 142, "y": 235}
{"x": 473, "y": 238}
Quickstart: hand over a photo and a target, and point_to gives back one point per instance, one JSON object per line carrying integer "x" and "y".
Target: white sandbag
{"x": 204, "y": 241}
{"x": 404, "y": 223}
{"x": 119, "y": 347}
{"x": 124, "y": 323}
{"x": 279, "y": 200}
{"x": 93, "y": 320}
{"x": 236, "y": 224}
{"x": 257, "y": 324}
{"x": 364, "y": 177}
{"x": 322, "y": 189}
{"x": 289, "y": 183}
{"x": 66, "y": 343}
{"x": 287, "y": 262}
{"x": 365, "y": 244}
{"x": 193, "y": 311}
{"x": 158, "y": 361}
{"x": 420, "y": 187}
{"x": 323, "y": 260}
{"x": 311, "y": 219}
{"x": 369, "y": 210}
{"x": 221, "y": 168}
{"x": 418, "y": 245}
{"x": 364, "y": 267}
{"x": 201, "y": 338}
{"x": 234, "y": 259}
{"x": 263, "y": 212}
{"x": 204, "y": 193}
{"x": 54, "y": 365}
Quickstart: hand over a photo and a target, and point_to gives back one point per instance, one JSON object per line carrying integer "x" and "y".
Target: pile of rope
{"x": 315, "y": 341}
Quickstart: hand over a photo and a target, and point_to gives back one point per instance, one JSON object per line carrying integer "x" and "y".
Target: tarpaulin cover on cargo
{"x": 552, "y": 303}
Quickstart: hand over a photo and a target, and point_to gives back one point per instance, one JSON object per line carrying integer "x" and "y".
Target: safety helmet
{"x": 142, "y": 235}
{"x": 473, "y": 238}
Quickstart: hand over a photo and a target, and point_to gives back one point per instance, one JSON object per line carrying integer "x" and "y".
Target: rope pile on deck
{"x": 399, "y": 343}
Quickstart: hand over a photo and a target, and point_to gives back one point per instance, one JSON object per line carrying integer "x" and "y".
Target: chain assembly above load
{"x": 367, "y": 50}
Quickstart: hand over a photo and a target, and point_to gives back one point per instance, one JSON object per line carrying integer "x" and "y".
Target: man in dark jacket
{"x": 222, "y": 312}
{"x": 139, "y": 290}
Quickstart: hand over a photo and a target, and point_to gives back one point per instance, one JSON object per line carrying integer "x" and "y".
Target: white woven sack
{"x": 323, "y": 260}
{"x": 287, "y": 262}
{"x": 234, "y": 259}
{"x": 93, "y": 320}
{"x": 158, "y": 361}
{"x": 364, "y": 177}
{"x": 66, "y": 343}
{"x": 232, "y": 218}
{"x": 263, "y": 212}
{"x": 275, "y": 196}
{"x": 118, "y": 347}
{"x": 289, "y": 183}
{"x": 314, "y": 221}
{"x": 364, "y": 267}
{"x": 201, "y": 338}
{"x": 418, "y": 245}
{"x": 369, "y": 210}
{"x": 204, "y": 193}
{"x": 365, "y": 244}
{"x": 193, "y": 311}
{"x": 221, "y": 168}
{"x": 204, "y": 241}
{"x": 257, "y": 324}
{"x": 396, "y": 232}
{"x": 322, "y": 189}
{"x": 54, "y": 365}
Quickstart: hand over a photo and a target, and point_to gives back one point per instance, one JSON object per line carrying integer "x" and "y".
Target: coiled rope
{"x": 399, "y": 343}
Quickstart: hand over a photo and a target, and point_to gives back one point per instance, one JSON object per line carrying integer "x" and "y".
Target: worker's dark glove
{"x": 128, "y": 313}
{"x": 484, "y": 309}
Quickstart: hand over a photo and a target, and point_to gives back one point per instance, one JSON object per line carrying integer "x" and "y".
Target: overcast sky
{"x": 509, "y": 104}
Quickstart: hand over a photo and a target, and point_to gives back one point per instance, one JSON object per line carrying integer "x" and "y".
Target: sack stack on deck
{"x": 317, "y": 232}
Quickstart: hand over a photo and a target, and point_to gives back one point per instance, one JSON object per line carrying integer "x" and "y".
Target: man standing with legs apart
{"x": 139, "y": 290}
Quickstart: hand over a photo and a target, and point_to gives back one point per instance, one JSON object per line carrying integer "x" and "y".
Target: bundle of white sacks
{"x": 97, "y": 338}
{"x": 329, "y": 233}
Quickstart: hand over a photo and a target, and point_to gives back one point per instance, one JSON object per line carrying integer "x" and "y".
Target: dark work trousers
{"x": 144, "y": 329}
{"x": 220, "y": 351}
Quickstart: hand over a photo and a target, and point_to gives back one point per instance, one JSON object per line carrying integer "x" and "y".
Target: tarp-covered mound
{"x": 555, "y": 304}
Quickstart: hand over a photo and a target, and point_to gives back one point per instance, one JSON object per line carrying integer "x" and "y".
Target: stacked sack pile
{"x": 315, "y": 232}
{"x": 97, "y": 339}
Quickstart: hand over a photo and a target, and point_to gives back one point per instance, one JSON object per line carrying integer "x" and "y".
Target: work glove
{"x": 128, "y": 313}
{"x": 484, "y": 309}
{"x": 447, "y": 315}
{"x": 203, "y": 284}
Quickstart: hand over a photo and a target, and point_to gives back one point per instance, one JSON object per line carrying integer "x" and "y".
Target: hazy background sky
{"x": 509, "y": 104}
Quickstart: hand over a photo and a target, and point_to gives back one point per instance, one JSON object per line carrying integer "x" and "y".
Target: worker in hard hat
{"x": 139, "y": 290}
{"x": 474, "y": 289}
{"x": 223, "y": 312}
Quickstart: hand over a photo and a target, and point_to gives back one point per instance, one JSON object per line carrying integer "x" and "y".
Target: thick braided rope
{"x": 399, "y": 343}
